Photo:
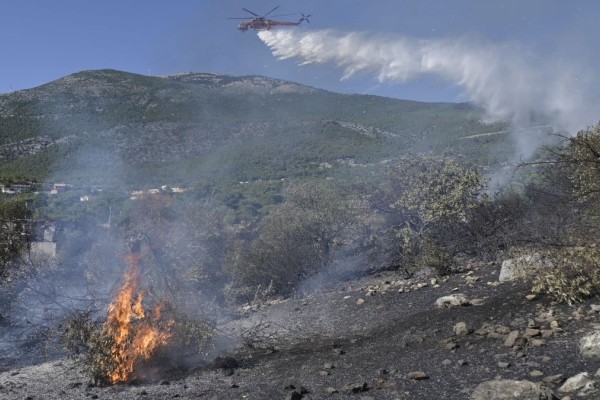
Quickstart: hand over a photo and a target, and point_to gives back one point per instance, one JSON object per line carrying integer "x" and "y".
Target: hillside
{"x": 106, "y": 127}
{"x": 205, "y": 235}
{"x": 381, "y": 337}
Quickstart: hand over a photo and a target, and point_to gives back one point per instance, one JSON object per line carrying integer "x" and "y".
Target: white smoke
{"x": 509, "y": 82}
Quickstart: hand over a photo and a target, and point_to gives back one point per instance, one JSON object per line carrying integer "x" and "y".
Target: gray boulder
{"x": 521, "y": 267}
{"x": 453, "y": 300}
{"x": 579, "y": 381}
{"x": 511, "y": 390}
{"x": 589, "y": 346}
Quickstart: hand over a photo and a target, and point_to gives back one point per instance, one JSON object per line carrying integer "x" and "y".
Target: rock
{"x": 537, "y": 342}
{"x": 510, "y": 389}
{"x": 503, "y": 364}
{"x": 328, "y": 366}
{"x": 453, "y": 300}
{"x": 546, "y": 333}
{"x": 331, "y": 390}
{"x": 355, "y": 387}
{"x": 511, "y": 339}
{"x": 461, "y": 329}
{"x": 449, "y": 344}
{"x": 532, "y": 332}
{"x": 514, "y": 268}
{"x": 477, "y": 302}
{"x": 576, "y": 382}
{"x": 507, "y": 271}
{"x": 531, "y": 297}
{"x": 418, "y": 375}
{"x": 502, "y": 329}
{"x": 447, "y": 362}
{"x": 409, "y": 340}
{"x": 536, "y": 373}
{"x": 360, "y": 301}
{"x": 589, "y": 346}
{"x": 558, "y": 378}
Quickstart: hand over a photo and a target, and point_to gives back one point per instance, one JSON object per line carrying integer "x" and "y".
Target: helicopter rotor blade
{"x": 253, "y": 13}
{"x": 241, "y": 18}
{"x": 283, "y": 15}
{"x": 271, "y": 11}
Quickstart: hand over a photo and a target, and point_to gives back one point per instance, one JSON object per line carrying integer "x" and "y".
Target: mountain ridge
{"x": 194, "y": 128}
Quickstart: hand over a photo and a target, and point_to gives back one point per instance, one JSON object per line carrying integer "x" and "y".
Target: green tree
{"x": 426, "y": 199}
{"x": 582, "y": 159}
{"x": 14, "y": 232}
{"x": 299, "y": 238}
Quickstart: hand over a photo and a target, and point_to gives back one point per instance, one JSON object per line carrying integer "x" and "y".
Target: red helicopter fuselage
{"x": 263, "y": 24}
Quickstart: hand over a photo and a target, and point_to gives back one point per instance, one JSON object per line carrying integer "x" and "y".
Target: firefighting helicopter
{"x": 262, "y": 23}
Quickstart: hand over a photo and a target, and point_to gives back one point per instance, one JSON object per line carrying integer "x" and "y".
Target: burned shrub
{"x": 108, "y": 357}
{"x": 131, "y": 335}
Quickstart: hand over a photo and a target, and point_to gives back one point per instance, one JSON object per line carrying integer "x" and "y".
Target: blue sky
{"x": 43, "y": 40}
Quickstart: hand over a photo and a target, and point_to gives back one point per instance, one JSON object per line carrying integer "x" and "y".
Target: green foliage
{"x": 426, "y": 200}
{"x": 218, "y": 129}
{"x": 582, "y": 160}
{"x": 567, "y": 274}
{"x": 430, "y": 189}
{"x": 14, "y": 231}
{"x": 299, "y": 238}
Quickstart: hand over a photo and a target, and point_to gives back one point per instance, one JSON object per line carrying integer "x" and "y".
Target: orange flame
{"x": 134, "y": 336}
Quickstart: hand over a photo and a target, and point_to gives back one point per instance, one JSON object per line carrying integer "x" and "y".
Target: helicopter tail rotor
{"x": 305, "y": 18}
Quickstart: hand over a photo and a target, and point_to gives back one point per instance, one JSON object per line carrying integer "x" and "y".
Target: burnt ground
{"x": 332, "y": 345}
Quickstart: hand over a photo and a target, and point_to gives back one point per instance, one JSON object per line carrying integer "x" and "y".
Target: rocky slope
{"x": 380, "y": 337}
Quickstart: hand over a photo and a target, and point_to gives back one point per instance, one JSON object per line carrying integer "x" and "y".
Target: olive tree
{"x": 582, "y": 159}
{"x": 426, "y": 198}
{"x": 299, "y": 238}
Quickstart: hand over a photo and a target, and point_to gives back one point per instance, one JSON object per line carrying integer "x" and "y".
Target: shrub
{"x": 299, "y": 238}
{"x": 97, "y": 351}
{"x": 574, "y": 277}
{"x": 427, "y": 199}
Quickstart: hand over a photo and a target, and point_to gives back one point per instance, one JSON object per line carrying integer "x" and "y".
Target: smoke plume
{"x": 507, "y": 81}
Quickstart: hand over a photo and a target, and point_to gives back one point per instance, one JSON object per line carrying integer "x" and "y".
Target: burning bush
{"x": 113, "y": 351}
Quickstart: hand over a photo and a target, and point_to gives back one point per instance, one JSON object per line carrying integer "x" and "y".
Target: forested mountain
{"x": 98, "y": 126}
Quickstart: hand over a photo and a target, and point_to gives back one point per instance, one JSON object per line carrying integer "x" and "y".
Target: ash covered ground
{"x": 379, "y": 337}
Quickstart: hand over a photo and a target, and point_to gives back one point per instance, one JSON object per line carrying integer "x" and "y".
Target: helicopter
{"x": 262, "y": 23}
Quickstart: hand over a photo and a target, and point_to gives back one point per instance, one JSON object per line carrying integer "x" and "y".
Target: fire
{"x": 133, "y": 335}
